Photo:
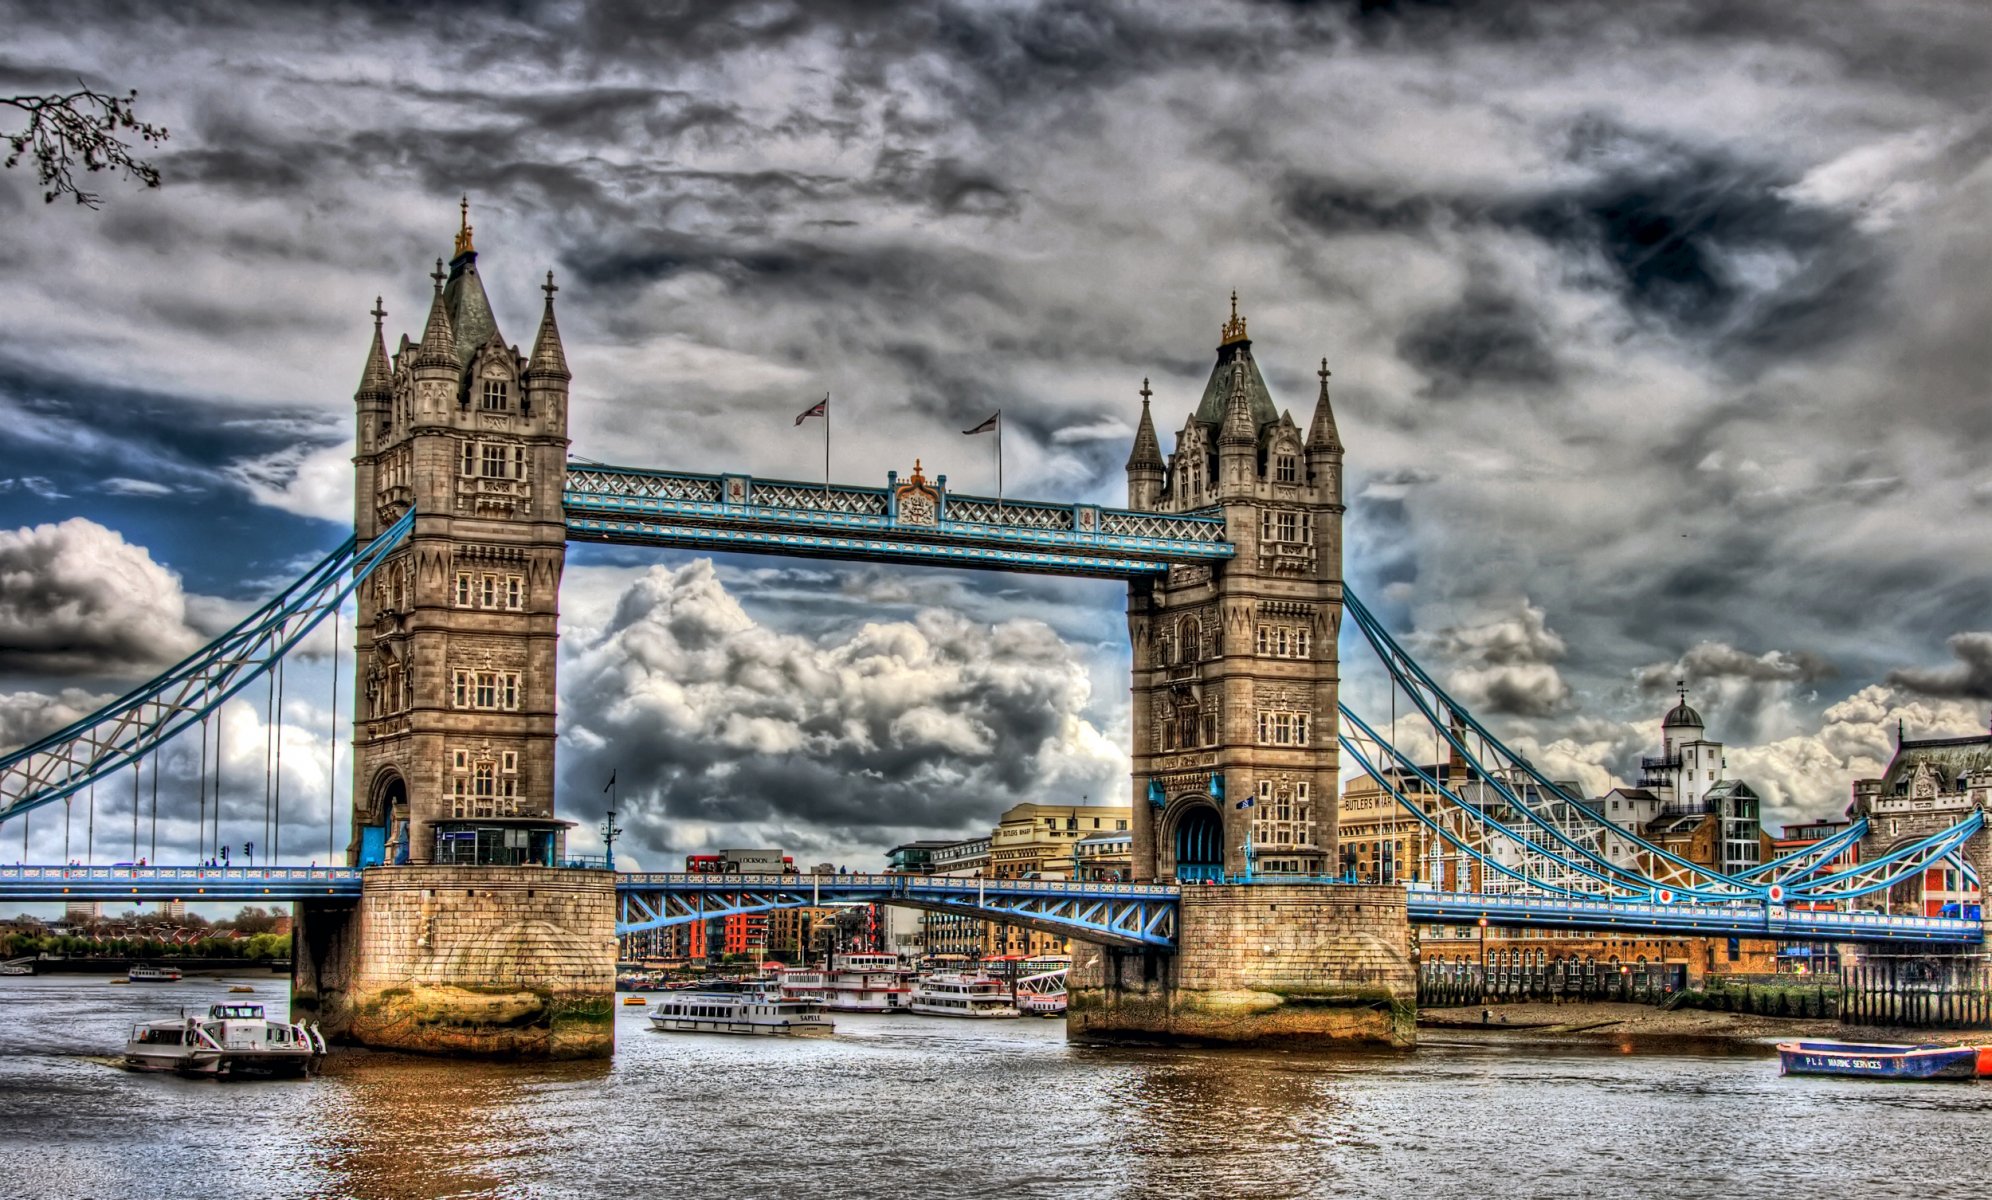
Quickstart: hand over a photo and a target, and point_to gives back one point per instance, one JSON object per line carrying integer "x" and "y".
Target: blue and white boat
{"x": 1869, "y": 1060}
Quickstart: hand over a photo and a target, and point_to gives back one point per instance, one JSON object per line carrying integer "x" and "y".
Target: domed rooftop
{"x": 1682, "y": 714}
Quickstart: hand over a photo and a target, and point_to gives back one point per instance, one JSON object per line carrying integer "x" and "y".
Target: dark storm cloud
{"x": 1970, "y": 678}
{"x": 1686, "y": 277}
{"x": 1487, "y": 338}
{"x": 1673, "y": 230}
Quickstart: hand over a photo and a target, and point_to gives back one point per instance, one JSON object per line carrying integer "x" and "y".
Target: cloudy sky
{"x": 1658, "y": 331}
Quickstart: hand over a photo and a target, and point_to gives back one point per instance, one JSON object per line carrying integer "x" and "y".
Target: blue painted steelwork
{"x": 772, "y": 516}
{"x": 1732, "y": 920}
{"x": 129, "y": 727}
{"x": 157, "y": 884}
{"x": 1802, "y": 876}
{"x": 1124, "y": 914}
{"x": 1132, "y": 915}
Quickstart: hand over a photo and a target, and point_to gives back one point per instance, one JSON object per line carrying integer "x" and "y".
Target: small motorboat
{"x": 632, "y": 1001}
{"x": 233, "y": 1041}
{"x": 145, "y": 973}
{"x": 241, "y": 988}
{"x": 1870, "y": 1060}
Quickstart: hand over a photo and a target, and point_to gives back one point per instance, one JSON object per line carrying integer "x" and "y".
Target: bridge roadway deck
{"x": 1119, "y": 913}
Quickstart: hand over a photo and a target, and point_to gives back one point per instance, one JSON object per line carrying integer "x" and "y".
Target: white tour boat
{"x": 145, "y": 973}
{"x": 233, "y": 1041}
{"x": 867, "y": 983}
{"x": 761, "y": 1012}
{"x": 952, "y": 995}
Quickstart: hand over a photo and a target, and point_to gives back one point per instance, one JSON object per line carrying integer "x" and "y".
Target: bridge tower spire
{"x": 453, "y": 736}
{"x": 1235, "y": 667}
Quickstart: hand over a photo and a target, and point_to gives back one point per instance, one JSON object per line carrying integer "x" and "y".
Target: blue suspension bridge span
{"x": 1230, "y": 548}
{"x": 1545, "y": 858}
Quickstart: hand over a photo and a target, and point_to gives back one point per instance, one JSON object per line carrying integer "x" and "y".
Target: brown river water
{"x": 934, "y": 1109}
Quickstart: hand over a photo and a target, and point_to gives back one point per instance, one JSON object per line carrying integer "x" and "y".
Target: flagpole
{"x": 826, "y": 446}
{"x": 999, "y": 458}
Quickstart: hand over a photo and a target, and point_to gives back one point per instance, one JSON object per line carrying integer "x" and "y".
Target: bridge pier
{"x": 483, "y": 961}
{"x": 1258, "y": 963}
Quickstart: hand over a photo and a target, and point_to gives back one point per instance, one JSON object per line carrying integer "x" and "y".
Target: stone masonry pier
{"x": 502, "y": 962}
{"x": 1258, "y": 963}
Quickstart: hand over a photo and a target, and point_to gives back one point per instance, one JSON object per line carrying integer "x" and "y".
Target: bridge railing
{"x": 609, "y": 503}
{"x": 136, "y": 874}
{"x": 709, "y": 881}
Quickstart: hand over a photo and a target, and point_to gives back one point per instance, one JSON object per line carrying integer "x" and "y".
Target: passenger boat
{"x": 143, "y": 973}
{"x": 1878, "y": 1060}
{"x": 952, "y": 995}
{"x": 233, "y": 1041}
{"x": 759, "y": 1012}
{"x": 868, "y": 983}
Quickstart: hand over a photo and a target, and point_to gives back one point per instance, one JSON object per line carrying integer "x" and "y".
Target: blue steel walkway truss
{"x": 933, "y": 526}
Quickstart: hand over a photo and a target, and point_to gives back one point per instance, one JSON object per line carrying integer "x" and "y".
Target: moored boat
{"x": 947, "y": 994}
{"x": 871, "y": 983}
{"x": 1042, "y": 995}
{"x": 1872, "y": 1060}
{"x": 146, "y": 973}
{"x": 756, "y": 1012}
{"x": 233, "y": 1041}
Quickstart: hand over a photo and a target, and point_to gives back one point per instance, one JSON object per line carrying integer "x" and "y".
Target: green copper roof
{"x": 1211, "y": 409}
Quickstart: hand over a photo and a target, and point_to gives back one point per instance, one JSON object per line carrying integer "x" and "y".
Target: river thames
{"x": 926, "y": 1108}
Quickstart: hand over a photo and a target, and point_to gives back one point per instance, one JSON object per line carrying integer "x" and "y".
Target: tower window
{"x": 1283, "y": 469}
{"x": 494, "y": 395}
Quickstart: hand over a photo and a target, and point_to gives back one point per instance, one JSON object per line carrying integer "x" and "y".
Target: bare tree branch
{"x": 80, "y": 130}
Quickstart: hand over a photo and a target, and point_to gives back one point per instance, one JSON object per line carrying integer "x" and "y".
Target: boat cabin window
{"x": 161, "y": 1037}
{"x": 236, "y": 1012}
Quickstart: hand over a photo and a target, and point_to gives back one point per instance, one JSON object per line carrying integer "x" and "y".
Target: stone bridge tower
{"x": 1235, "y": 665}
{"x": 453, "y": 731}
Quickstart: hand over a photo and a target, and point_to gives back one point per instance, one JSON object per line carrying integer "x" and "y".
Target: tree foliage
{"x": 81, "y": 132}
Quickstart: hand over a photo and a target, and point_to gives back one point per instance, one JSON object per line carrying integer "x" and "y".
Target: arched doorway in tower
{"x": 1199, "y": 844}
{"x": 386, "y": 815}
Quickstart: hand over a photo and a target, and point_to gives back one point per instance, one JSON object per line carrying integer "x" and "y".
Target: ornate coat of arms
{"x": 918, "y": 503}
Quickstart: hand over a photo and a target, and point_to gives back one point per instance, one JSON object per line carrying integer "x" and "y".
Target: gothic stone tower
{"x": 1235, "y": 665}
{"x": 453, "y": 735}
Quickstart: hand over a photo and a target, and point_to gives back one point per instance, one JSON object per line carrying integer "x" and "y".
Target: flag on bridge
{"x": 612, "y": 781}
{"x": 1247, "y": 802}
{"x": 821, "y": 409}
{"x": 995, "y": 424}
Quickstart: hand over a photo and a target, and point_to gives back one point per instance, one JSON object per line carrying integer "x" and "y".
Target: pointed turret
{"x": 1321, "y": 432}
{"x": 549, "y": 358}
{"x": 439, "y": 340}
{"x": 1145, "y": 465}
{"x": 376, "y": 381}
{"x": 546, "y": 374}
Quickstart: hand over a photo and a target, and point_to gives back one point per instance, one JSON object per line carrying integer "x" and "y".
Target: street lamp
{"x": 1483, "y": 960}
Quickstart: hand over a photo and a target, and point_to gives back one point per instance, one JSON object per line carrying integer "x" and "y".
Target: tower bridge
{"x": 458, "y": 884}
